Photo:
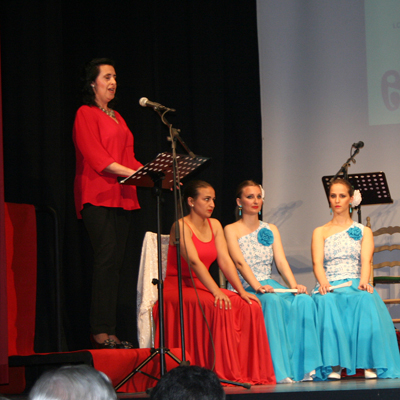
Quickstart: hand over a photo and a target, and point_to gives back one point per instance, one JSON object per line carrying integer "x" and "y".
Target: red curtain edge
{"x": 4, "y": 378}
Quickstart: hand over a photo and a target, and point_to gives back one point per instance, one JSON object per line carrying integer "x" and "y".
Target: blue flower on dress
{"x": 355, "y": 233}
{"x": 265, "y": 237}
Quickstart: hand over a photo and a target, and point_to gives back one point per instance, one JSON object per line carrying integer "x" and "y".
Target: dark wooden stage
{"x": 347, "y": 388}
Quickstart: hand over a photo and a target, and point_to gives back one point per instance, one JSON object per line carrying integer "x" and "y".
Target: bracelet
{"x": 259, "y": 288}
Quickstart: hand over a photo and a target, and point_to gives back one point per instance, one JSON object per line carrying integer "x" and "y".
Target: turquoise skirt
{"x": 291, "y": 323}
{"x": 356, "y": 332}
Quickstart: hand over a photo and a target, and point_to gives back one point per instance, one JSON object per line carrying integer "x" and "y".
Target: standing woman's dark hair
{"x": 90, "y": 73}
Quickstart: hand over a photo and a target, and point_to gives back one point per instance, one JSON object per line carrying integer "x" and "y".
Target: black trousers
{"x": 108, "y": 230}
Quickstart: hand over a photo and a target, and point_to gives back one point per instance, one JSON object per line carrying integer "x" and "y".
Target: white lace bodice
{"x": 258, "y": 256}
{"x": 342, "y": 253}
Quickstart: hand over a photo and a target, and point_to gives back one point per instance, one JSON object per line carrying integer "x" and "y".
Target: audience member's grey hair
{"x": 75, "y": 382}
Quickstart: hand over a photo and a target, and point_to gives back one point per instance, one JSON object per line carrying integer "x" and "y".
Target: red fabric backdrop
{"x": 3, "y": 276}
{"x": 20, "y": 230}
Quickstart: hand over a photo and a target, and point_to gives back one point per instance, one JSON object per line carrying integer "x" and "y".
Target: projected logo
{"x": 390, "y": 88}
{"x": 383, "y": 61}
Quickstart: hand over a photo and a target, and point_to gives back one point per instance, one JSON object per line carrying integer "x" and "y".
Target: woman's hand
{"x": 366, "y": 286}
{"x": 265, "y": 289}
{"x": 301, "y": 289}
{"x": 221, "y": 297}
{"x": 324, "y": 289}
{"x": 248, "y": 297}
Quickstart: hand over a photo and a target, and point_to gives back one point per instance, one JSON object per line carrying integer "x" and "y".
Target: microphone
{"x": 358, "y": 145}
{"x": 145, "y": 102}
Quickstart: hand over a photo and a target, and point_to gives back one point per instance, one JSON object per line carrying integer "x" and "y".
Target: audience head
{"x": 191, "y": 191}
{"x": 75, "y": 382}
{"x": 188, "y": 383}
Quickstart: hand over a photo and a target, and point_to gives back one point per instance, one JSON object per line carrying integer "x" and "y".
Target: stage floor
{"x": 347, "y": 388}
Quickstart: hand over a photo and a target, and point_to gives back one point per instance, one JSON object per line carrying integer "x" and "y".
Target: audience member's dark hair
{"x": 75, "y": 382}
{"x": 188, "y": 383}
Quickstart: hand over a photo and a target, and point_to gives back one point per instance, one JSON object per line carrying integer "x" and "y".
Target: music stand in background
{"x": 158, "y": 174}
{"x": 373, "y": 187}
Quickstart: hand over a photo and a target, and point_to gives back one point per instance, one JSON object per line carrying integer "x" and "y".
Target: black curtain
{"x": 200, "y": 58}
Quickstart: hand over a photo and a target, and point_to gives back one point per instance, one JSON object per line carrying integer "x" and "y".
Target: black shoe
{"x": 124, "y": 345}
{"x": 107, "y": 344}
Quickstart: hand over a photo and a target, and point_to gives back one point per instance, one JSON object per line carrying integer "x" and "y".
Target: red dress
{"x": 240, "y": 340}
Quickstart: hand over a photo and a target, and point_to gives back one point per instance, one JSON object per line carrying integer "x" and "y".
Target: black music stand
{"x": 158, "y": 174}
{"x": 161, "y": 168}
{"x": 373, "y": 187}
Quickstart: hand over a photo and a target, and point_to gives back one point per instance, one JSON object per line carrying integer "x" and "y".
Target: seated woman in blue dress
{"x": 290, "y": 319}
{"x": 356, "y": 330}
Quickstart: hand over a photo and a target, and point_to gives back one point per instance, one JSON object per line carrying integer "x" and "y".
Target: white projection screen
{"x": 330, "y": 77}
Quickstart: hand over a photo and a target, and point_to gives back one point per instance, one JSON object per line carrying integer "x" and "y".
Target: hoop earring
{"x": 240, "y": 211}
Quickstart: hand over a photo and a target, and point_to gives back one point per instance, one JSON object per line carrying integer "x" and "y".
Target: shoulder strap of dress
{"x": 188, "y": 226}
{"x": 361, "y": 226}
{"x": 193, "y": 234}
{"x": 209, "y": 223}
{"x": 263, "y": 224}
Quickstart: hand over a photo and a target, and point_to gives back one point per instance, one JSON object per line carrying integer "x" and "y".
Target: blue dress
{"x": 356, "y": 330}
{"x": 290, "y": 320}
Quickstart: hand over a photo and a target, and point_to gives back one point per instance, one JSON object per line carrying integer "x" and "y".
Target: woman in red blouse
{"x": 104, "y": 152}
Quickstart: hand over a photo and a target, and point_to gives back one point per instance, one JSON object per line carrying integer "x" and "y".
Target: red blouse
{"x": 100, "y": 141}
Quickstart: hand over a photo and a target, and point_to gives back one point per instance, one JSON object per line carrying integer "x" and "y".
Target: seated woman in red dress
{"x": 235, "y": 345}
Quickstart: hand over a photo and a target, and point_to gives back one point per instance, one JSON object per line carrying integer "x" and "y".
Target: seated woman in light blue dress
{"x": 356, "y": 330}
{"x": 290, "y": 319}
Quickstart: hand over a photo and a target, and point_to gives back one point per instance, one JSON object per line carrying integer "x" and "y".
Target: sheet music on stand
{"x": 373, "y": 187}
{"x": 161, "y": 168}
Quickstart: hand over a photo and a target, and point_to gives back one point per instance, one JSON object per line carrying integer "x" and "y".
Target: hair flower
{"x": 265, "y": 237}
{"x": 262, "y": 192}
{"x": 357, "y": 198}
{"x": 355, "y": 233}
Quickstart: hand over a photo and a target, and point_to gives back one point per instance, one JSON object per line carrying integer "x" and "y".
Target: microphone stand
{"x": 174, "y": 136}
{"x": 343, "y": 169}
